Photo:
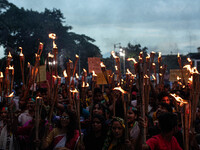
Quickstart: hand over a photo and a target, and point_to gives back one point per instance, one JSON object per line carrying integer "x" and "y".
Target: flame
{"x": 54, "y": 44}
{"x": 161, "y": 67}
{"x": 194, "y": 70}
{"x": 141, "y": 53}
{"x": 70, "y": 61}
{"x": 113, "y": 54}
{"x": 102, "y": 65}
{"x": 29, "y": 65}
{"x": 146, "y": 76}
{"x": 154, "y": 78}
{"x": 116, "y": 68}
{"x": 128, "y": 72}
{"x": 50, "y": 55}
{"x": 84, "y": 70}
{"x": 77, "y": 77}
{"x": 38, "y": 97}
{"x": 120, "y": 89}
{"x": 152, "y": 52}
{"x": 1, "y": 76}
{"x": 178, "y": 78}
{"x": 11, "y": 95}
{"x": 10, "y": 67}
{"x": 190, "y": 79}
{"x": 52, "y": 36}
{"x": 148, "y": 56}
{"x": 140, "y": 58}
{"x": 191, "y": 70}
{"x": 160, "y": 74}
{"x": 159, "y": 54}
{"x": 74, "y": 91}
{"x": 132, "y": 59}
{"x": 21, "y": 54}
{"x": 87, "y": 85}
{"x": 83, "y": 84}
{"x": 77, "y": 56}
{"x": 153, "y": 64}
{"x": 65, "y": 73}
{"x": 178, "y": 55}
{"x": 93, "y": 73}
{"x": 9, "y": 55}
{"x": 189, "y": 60}
{"x": 179, "y": 99}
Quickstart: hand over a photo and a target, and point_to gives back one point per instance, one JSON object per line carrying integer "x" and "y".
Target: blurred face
{"x": 60, "y": 97}
{"x": 64, "y": 120}
{"x": 98, "y": 97}
{"x": 31, "y": 105}
{"x": 166, "y": 100}
{"x": 97, "y": 110}
{"x": 131, "y": 116}
{"x": 96, "y": 125}
{"x": 161, "y": 110}
{"x": 3, "y": 115}
{"x": 117, "y": 129}
{"x": 89, "y": 93}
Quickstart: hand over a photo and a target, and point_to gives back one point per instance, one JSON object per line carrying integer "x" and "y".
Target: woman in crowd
{"x": 65, "y": 135}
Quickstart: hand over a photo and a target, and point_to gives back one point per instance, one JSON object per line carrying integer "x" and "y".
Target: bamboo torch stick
{"x": 125, "y": 109}
{"x": 180, "y": 65}
{"x": 21, "y": 56}
{"x": 11, "y": 68}
{"x": 1, "y": 84}
{"x": 103, "y": 69}
{"x": 76, "y": 61}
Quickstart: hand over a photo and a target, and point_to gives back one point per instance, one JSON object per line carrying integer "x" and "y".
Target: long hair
{"x": 72, "y": 124}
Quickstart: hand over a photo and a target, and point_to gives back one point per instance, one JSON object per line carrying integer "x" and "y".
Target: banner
{"x": 94, "y": 64}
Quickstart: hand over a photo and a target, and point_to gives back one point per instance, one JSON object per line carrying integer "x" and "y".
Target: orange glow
{"x": 77, "y": 77}
{"x": 152, "y": 52}
{"x": 77, "y": 56}
{"x": 93, "y": 73}
{"x": 38, "y": 97}
{"x": 54, "y": 44}
{"x": 74, "y": 91}
{"x": 128, "y": 72}
{"x": 189, "y": 60}
{"x": 148, "y": 56}
{"x": 154, "y": 78}
{"x": 159, "y": 54}
{"x": 21, "y": 54}
{"x": 83, "y": 84}
{"x": 10, "y": 67}
{"x": 132, "y": 59}
{"x": 1, "y": 75}
{"x": 11, "y": 95}
{"x": 178, "y": 55}
{"x": 84, "y": 70}
{"x": 50, "y": 55}
{"x": 9, "y": 55}
{"x": 87, "y": 85}
{"x": 116, "y": 68}
{"x": 160, "y": 74}
{"x": 65, "y": 73}
{"x": 113, "y": 54}
{"x": 120, "y": 89}
{"x": 102, "y": 65}
{"x": 178, "y": 78}
{"x": 146, "y": 76}
{"x": 52, "y": 36}
{"x": 179, "y": 99}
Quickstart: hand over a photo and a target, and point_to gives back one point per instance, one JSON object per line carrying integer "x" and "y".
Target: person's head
{"x": 31, "y": 104}
{"x": 98, "y": 123}
{"x": 167, "y": 122}
{"x": 117, "y": 127}
{"x": 89, "y": 93}
{"x": 64, "y": 120}
{"x": 132, "y": 115}
{"x": 98, "y": 95}
{"x": 164, "y": 97}
{"x": 4, "y": 113}
{"x": 163, "y": 108}
{"x": 98, "y": 109}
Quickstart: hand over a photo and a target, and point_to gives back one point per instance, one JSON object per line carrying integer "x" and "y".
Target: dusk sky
{"x": 160, "y": 25}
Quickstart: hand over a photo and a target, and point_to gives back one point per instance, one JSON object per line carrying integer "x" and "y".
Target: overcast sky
{"x": 160, "y": 25}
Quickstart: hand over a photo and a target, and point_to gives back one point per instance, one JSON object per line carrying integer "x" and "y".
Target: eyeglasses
{"x": 64, "y": 117}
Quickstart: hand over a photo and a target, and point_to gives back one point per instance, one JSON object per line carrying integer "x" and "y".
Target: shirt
{"x": 157, "y": 142}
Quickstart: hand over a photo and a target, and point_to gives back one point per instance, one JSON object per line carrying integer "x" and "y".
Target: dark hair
{"x": 167, "y": 121}
{"x": 72, "y": 124}
{"x": 166, "y": 106}
{"x": 101, "y": 106}
{"x": 161, "y": 95}
{"x": 97, "y": 90}
{"x": 102, "y": 120}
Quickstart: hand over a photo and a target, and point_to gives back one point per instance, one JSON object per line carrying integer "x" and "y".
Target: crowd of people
{"x": 97, "y": 128}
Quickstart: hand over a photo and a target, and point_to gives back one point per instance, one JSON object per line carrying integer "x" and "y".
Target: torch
{"x": 9, "y": 58}
{"x": 11, "y": 68}
{"x": 103, "y": 69}
{"x": 1, "y": 83}
{"x": 21, "y": 56}
{"x": 117, "y": 60}
{"x": 180, "y": 65}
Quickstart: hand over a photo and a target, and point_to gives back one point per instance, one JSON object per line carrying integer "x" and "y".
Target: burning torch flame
{"x": 93, "y": 73}
{"x": 132, "y": 59}
{"x": 154, "y": 78}
{"x": 120, "y": 89}
{"x": 189, "y": 60}
{"x": 10, "y": 67}
{"x": 128, "y": 72}
{"x": 1, "y": 76}
{"x": 178, "y": 55}
{"x": 102, "y": 65}
{"x": 178, "y": 78}
{"x": 54, "y": 44}
{"x": 148, "y": 56}
{"x": 87, "y": 85}
{"x": 74, "y": 91}
{"x": 159, "y": 54}
{"x": 113, "y": 54}
{"x": 9, "y": 55}
{"x": 52, "y": 36}
{"x": 83, "y": 84}
{"x": 116, "y": 68}
{"x": 179, "y": 99}
{"x": 65, "y": 73}
{"x": 77, "y": 77}
{"x": 21, "y": 54}
{"x": 84, "y": 70}
{"x": 50, "y": 55}
{"x": 11, "y": 95}
{"x": 77, "y": 56}
{"x": 146, "y": 76}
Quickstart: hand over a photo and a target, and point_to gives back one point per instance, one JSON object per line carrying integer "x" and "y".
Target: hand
{"x": 143, "y": 122}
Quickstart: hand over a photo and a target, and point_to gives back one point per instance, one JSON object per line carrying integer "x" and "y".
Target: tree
{"x": 26, "y": 28}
